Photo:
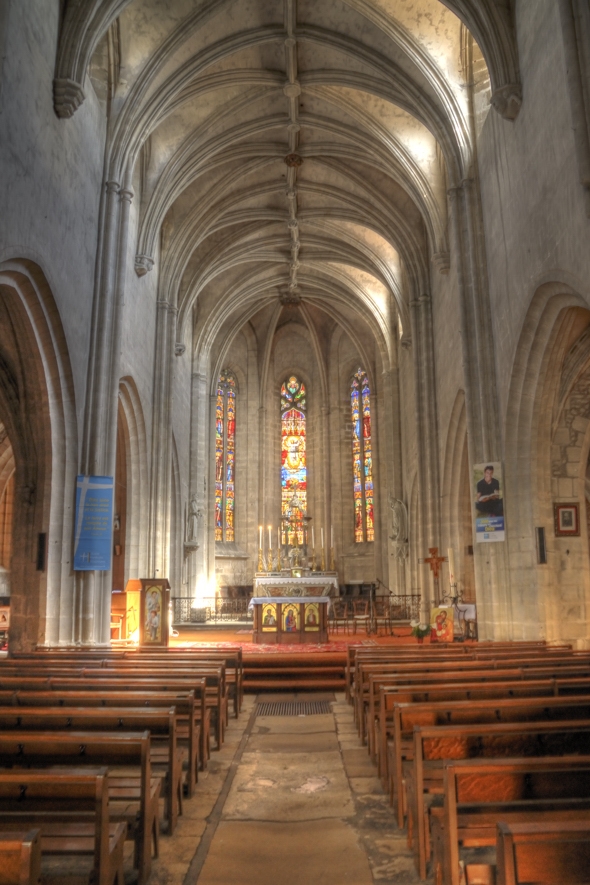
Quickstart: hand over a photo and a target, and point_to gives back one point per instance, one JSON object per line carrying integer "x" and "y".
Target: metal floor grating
{"x": 293, "y": 708}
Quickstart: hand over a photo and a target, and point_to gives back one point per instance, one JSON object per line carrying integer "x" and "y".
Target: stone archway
{"x": 37, "y": 410}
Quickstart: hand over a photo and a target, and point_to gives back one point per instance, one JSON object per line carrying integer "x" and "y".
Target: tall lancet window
{"x": 362, "y": 458}
{"x": 225, "y": 457}
{"x": 293, "y": 459}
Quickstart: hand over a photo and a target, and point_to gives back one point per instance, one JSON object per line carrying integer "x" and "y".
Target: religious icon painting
{"x": 290, "y": 617}
{"x": 153, "y": 615}
{"x": 567, "y": 522}
{"x": 312, "y": 617}
{"x": 442, "y": 627}
{"x": 269, "y": 617}
{"x": 488, "y": 498}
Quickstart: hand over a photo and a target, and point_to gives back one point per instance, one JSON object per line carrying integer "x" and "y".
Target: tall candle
{"x": 322, "y": 535}
{"x": 260, "y": 536}
{"x": 279, "y": 536}
{"x": 331, "y": 536}
{"x": 451, "y": 553}
{"x": 269, "y": 539}
{"x": 312, "y": 538}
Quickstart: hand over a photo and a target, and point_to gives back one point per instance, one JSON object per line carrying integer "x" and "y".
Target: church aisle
{"x": 289, "y": 800}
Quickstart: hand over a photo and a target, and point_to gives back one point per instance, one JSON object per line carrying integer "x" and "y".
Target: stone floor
{"x": 289, "y": 801}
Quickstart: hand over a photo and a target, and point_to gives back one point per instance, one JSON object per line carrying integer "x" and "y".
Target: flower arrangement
{"x": 419, "y": 630}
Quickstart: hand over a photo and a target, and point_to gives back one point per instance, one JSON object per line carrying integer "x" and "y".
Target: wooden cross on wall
{"x": 435, "y": 561}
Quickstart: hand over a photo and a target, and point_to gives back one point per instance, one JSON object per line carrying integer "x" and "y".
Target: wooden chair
{"x": 340, "y": 616}
{"x": 361, "y": 614}
{"x": 382, "y": 613}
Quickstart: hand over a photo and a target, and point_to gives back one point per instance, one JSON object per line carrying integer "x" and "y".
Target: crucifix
{"x": 435, "y": 561}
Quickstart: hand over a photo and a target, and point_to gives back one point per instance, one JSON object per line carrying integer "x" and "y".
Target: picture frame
{"x": 567, "y": 520}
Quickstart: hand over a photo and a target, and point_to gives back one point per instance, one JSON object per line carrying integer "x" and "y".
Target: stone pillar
{"x": 427, "y": 436}
{"x": 483, "y": 424}
{"x": 93, "y": 601}
{"x": 199, "y": 485}
{"x": 159, "y": 523}
{"x": 391, "y": 459}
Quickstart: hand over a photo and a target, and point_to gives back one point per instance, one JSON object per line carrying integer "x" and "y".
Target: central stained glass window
{"x": 362, "y": 458}
{"x": 225, "y": 456}
{"x": 293, "y": 459}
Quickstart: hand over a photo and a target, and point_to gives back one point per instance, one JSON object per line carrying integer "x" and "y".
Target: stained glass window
{"x": 293, "y": 460}
{"x": 362, "y": 458}
{"x": 225, "y": 456}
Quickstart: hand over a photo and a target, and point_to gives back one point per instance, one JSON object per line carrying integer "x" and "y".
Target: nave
{"x": 458, "y": 764}
{"x": 289, "y": 799}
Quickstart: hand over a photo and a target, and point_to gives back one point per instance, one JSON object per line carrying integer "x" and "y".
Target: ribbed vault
{"x": 289, "y": 146}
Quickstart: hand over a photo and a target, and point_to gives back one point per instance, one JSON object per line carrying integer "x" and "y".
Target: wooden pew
{"x": 71, "y": 809}
{"x": 192, "y": 720}
{"x": 451, "y": 671}
{"x": 548, "y": 853}
{"x": 479, "y": 794}
{"x": 133, "y": 799}
{"x": 20, "y": 858}
{"x": 32, "y": 679}
{"x": 435, "y": 744}
{"x": 461, "y": 712}
{"x": 161, "y": 723}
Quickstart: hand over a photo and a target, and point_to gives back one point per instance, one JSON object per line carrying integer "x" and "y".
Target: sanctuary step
{"x": 304, "y": 671}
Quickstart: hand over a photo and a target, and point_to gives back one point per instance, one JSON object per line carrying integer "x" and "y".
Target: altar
{"x": 311, "y": 584}
{"x": 284, "y": 620}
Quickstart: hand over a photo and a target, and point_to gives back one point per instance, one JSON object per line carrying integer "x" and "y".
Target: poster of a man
{"x": 489, "y": 502}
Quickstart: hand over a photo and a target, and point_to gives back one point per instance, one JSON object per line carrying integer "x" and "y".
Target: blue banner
{"x": 93, "y": 540}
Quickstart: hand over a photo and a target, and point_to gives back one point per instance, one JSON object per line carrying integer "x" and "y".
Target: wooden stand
{"x": 154, "y": 617}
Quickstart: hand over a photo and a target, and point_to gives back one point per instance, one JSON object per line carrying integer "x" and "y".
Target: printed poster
{"x": 93, "y": 539}
{"x": 488, "y": 485}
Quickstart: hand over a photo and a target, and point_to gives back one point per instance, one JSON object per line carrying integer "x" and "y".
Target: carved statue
{"x": 193, "y": 517}
{"x": 399, "y": 526}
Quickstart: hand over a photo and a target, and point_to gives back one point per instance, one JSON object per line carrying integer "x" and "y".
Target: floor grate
{"x": 293, "y": 708}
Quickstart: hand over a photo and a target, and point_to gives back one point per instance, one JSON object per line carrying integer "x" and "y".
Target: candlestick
{"x": 323, "y": 559}
{"x": 312, "y": 538}
{"x": 451, "y": 557}
{"x": 260, "y": 561}
{"x": 260, "y": 536}
{"x": 279, "y": 538}
{"x": 332, "y": 560}
{"x": 331, "y": 536}
{"x": 322, "y": 537}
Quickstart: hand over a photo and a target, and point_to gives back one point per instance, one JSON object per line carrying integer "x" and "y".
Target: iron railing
{"x": 405, "y": 608}
{"x": 210, "y": 610}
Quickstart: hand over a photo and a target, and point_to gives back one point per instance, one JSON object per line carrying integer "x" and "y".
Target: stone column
{"x": 159, "y": 523}
{"x": 93, "y": 605}
{"x": 391, "y": 458}
{"x": 427, "y": 436}
{"x": 483, "y": 423}
{"x": 199, "y": 485}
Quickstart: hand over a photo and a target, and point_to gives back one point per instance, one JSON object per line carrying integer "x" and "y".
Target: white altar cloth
{"x": 268, "y": 585}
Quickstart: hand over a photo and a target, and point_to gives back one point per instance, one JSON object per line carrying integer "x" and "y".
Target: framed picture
{"x": 154, "y": 616}
{"x": 567, "y": 520}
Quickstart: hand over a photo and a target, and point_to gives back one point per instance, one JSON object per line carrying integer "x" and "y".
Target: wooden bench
{"x": 70, "y": 807}
{"x": 546, "y": 853}
{"x": 479, "y": 794}
{"x": 20, "y": 858}
{"x": 161, "y": 723}
{"x": 192, "y": 714}
{"x": 133, "y": 798}
{"x": 461, "y": 712}
{"x": 423, "y": 775}
{"x": 469, "y": 691}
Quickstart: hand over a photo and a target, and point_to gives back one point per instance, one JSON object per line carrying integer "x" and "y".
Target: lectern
{"x": 154, "y": 617}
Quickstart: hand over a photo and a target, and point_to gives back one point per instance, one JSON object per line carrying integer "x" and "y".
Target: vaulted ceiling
{"x": 290, "y": 149}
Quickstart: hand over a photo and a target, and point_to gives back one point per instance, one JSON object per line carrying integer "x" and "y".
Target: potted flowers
{"x": 419, "y": 630}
